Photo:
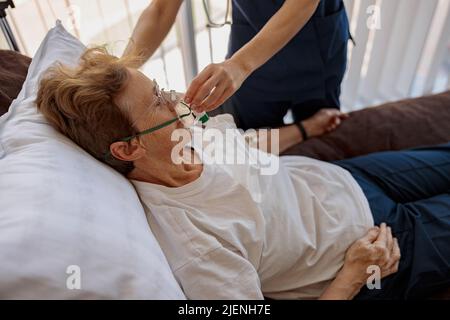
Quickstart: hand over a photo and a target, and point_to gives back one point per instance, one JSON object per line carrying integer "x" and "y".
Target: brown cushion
{"x": 13, "y": 71}
{"x": 391, "y": 126}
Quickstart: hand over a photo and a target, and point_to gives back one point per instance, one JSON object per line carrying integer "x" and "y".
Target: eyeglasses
{"x": 160, "y": 98}
{"x": 160, "y": 126}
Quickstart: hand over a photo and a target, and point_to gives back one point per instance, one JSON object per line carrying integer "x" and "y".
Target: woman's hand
{"x": 215, "y": 84}
{"x": 377, "y": 248}
{"x": 325, "y": 120}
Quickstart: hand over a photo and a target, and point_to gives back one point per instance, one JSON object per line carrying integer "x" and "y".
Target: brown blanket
{"x": 13, "y": 71}
{"x": 392, "y": 126}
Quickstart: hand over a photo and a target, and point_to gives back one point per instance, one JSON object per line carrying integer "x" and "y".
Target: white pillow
{"x": 60, "y": 209}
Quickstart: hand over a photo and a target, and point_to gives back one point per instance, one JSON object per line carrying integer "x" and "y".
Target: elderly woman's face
{"x": 146, "y": 110}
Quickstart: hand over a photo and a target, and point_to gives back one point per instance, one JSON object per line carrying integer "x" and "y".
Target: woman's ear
{"x": 127, "y": 151}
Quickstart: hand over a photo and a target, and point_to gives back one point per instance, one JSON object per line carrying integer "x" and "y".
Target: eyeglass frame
{"x": 158, "y": 127}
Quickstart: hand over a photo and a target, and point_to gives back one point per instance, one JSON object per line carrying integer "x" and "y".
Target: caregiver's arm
{"x": 377, "y": 248}
{"x": 153, "y": 26}
{"x": 324, "y": 121}
{"x": 228, "y": 76}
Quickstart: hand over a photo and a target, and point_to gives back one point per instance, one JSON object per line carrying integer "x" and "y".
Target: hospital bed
{"x": 392, "y": 126}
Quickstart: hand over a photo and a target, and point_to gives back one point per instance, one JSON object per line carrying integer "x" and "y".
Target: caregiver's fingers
{"x": 231, "y": 75}
{"x": 335, "y": 122}
{"x": 205, "y": 91}
{"x": 225, "y": 96}
{"x": 337, "y": 113}
{"x": 198, "y": 81}
{"x": 332, "y": 127}
{"x": 213, "y": 98}
{"x": 341, "y": 115}
{"x": 331, "y": 112}
{"x": 344, "y": 115}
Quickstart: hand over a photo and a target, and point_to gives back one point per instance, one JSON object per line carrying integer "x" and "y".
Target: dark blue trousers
{"x": 410, "y": 191}
{"x": 252, "y": 112}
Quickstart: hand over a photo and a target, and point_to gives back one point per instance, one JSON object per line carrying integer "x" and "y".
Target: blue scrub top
{"x": 305, "y": 68}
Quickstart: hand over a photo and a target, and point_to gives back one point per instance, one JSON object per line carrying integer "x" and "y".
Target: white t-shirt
{"x": 288, "y": 244}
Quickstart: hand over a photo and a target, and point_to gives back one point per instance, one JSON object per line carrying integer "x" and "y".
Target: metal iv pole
{"x": 5, "y": 27}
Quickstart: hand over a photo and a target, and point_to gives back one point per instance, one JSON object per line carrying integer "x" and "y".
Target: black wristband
{"x": 302, "y": 130}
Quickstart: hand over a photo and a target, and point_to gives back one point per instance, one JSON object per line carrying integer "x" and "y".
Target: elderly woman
{"x": 307, "y": 231}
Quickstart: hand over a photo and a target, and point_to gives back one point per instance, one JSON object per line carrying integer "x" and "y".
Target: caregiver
{"x": 283, "y": 55}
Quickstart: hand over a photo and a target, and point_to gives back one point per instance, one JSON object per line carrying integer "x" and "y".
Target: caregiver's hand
{"x": 215, "y": 84}
{"x": 325, "y": 120}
